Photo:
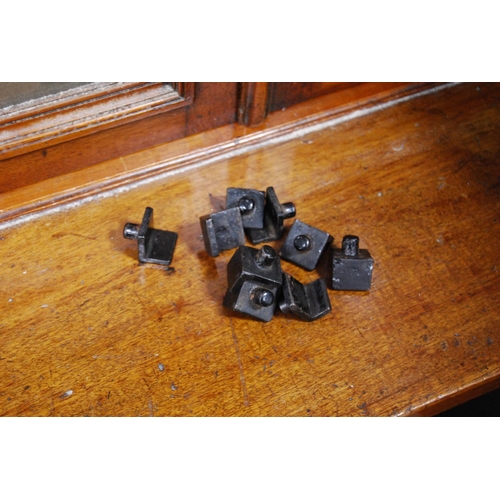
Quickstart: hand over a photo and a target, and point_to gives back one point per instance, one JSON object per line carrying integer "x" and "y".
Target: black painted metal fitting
{"x": 308, "y": 302}
{"x": 254, "y": 299}
{"x": 304, "y": 245}
{"x": 251, "y": 204}
{"x": 351, "y": 267}
{"x": 275, "y": 214}
{"x": 261, "y": 266}
{"x": 154, "y": 245}
{"x": 222, "y": 231}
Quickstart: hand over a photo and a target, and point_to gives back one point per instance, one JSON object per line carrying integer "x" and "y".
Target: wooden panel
{"x": 67, "y": 157}
{"x": 215, "y": 105}
{"x": 86, "y": 330}
{"x": 253, "y": 103}
{"x": 285, "y": 94}
{"x": 83, "y": 111}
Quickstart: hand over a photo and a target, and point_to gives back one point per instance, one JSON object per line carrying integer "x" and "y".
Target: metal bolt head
{"x": 246, "y": 204}
{"x": 289, "y": 210}
{"x": 254, "y": 299}
{"x": 265, "y": 256}
{"x": 302, "y": 243}
{"x": 131, "y": 231}
{"x": 264, "y": 298}
{"x": 250, "y": 203}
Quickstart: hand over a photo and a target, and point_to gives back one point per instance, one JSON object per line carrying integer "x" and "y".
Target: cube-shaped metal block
{"x": 222, "y": 231}
{"x": 308, "y": 302}
{"x": 304, "y": 245}
{"x": 248, "y": 263}
{"x": 254, "y": 299}
{"x": 352, "y": 268}
{"x": 251, "y": 204}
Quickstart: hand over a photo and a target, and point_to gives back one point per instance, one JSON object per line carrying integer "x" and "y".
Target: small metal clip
{"x": 308, "y": 302}
{"x": 254, "y": 299}
{"x": 304, "y": 245}
{"x": 154, "y": 245}
{"x": 248, "y": 263}
{"x": 351, "y": 267}
{"x": 251, "y": 204}
{"x": 275, "y": 214}
{"x": 222, "y": 231}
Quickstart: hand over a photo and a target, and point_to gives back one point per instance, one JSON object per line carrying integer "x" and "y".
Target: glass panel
{"x": 16, "y": 93}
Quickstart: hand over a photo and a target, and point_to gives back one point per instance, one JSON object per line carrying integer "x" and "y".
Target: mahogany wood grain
{"x": 252, "y": 103}
{"x": 286, "y": 94}
{"x": 86, "y": 330}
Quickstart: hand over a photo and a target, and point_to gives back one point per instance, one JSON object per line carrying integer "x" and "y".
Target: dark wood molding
{"x": 282, "y": 95}
{"x": 83, "y": 111}
{"x": 252, "y": 103}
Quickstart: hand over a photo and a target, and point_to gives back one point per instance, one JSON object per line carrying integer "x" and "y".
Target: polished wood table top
{"x": 87, "y": 330}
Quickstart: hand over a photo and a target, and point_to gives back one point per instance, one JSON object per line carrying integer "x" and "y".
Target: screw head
{"x": 265, "y": 256}
{"x": 246, "y": 204}
{"x": 131, "y": 231}
{"x": 289, "y": 210}
{"x": 263, "y": 298}
{"x": 302, "y": 243}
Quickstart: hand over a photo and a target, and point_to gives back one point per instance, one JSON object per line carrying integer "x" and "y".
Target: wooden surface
{"x": 39, "y": 192}
{"x": 86, "y": 330}
{"x": 285, "y": 94}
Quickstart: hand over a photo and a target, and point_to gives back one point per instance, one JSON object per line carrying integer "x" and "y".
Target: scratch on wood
{"x": 60, "y": 235}
{"x": 124, "y": 164}
{"x": 240, "y": 364}
{"x": 150, "y": 405}
{"x": 140, "y": 301}
{"x": 359, "y": 331}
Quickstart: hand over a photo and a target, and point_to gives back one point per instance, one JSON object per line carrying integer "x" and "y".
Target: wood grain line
{"x": 240, "y": 365}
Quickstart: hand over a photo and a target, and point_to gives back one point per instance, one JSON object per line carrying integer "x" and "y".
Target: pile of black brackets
{"x": 256, "y": 282}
